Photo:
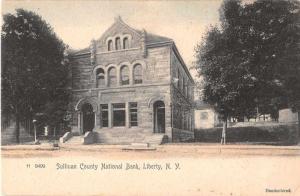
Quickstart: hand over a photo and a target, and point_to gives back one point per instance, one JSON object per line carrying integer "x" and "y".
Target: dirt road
{"x": 169, "y": 170}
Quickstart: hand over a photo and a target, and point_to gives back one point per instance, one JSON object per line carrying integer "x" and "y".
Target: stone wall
{"x": 178, "y": 67}
{"x": 182, "y": 135}
{"x": 144, "y": 95}
{"x": 81, "y": 72}
{"x": 156, "y": 66}
{"x": 155, "y": 86}
{"x": 183, "y": 108}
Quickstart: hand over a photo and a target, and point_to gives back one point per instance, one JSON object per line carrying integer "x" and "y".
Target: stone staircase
{"x": 125, "y": 136}
{"x": 75, "y": 140}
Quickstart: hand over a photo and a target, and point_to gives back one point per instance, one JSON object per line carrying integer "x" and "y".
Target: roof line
{"x": 80, "y": 54}
{"x": 123, "y": 23}
{"x": 160, "y": 43}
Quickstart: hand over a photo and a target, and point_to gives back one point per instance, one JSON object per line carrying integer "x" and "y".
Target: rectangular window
{"x": 104, "y": 115}
{"x": 204, "y": 115}
{"x": 178, "y": 74}
{"x": 133, "y": 114}
{"x": 179, "y": 81}
{"x": 119, "y": 115}
{"x": 184, "y": 85}
{"x": 186, "y": 89}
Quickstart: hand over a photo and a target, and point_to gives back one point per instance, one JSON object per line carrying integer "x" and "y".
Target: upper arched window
{"x": 125, "y": 43}
{"x": 124, "y": 75}
{"x": 110, "y": 45}
{"x": 112, "y": 76}
{"x": 138, "y": 74}
{"x": 118, "y": 43}
{"x": 100, "y": 77}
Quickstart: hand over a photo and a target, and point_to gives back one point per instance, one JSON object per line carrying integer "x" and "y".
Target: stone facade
{"x": 130, "y": 78}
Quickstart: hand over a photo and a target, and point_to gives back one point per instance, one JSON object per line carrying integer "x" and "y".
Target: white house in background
{"x": 288, "y": 116}
{"x": 205, "y": 116}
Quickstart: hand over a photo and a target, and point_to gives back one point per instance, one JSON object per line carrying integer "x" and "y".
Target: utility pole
{"x": 35, "y": 136}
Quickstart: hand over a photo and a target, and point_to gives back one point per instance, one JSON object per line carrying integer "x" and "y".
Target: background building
{"x": 205, "y": 116}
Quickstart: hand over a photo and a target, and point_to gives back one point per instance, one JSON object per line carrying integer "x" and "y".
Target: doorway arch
{"x": 159, "y": 122}
{"x": 88, "y": 118}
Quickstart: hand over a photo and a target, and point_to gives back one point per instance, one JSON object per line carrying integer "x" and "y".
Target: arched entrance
{"x": 159, "y": 117}
{"x": 88, "y": 117}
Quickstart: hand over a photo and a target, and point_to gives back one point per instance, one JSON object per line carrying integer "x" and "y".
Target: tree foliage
{"x": 252, "y": 58}
{"x": 34, "y": 69}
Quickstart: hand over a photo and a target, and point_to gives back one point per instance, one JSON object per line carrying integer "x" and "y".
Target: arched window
{"x": 112, "y": 76}
{"x": 125, "y": 43}
{"x": 100, "y": 77}
{"x": 118, "y": 43}
{"x": 110, "y": 45}
{"x": 138, "y": 74}
{"x": 124, "y": 75}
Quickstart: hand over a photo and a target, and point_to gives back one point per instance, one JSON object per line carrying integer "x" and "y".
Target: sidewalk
{"x": 43, "y": 146}
{"x": 93, "y": 147}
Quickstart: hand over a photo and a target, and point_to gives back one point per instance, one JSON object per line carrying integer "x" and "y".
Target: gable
{"x": 119, "y": 31}
{"x": 122, "y": 30}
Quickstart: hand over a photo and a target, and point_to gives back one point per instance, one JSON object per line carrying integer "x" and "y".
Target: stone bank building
{"x": 131, "y": 86}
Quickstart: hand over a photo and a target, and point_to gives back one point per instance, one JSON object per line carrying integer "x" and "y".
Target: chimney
{"x": 118, "y": 18}
{"x": 93, "y": 51}
{"x": 143, "y": 43}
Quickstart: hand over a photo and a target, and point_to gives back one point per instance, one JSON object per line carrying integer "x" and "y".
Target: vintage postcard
{"x": 150, "y": 97}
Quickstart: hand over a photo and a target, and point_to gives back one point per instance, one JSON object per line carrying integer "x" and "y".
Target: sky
{"x": 78, "y": 22}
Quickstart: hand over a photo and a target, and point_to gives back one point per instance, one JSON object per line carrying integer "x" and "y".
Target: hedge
{"x": 279, "y": 134}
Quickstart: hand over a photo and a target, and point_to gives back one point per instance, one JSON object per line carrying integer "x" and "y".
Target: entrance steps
{"x": 125, "y": 136}
{"x": 75, "y": 140}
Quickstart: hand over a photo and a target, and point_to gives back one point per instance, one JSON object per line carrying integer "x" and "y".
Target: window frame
{"x": 110, "y": 76}
{"x": 98, "y": 79}
{"x": 102, "y": 112}
{"x": 133, "y": 110}
{"x": 125, "y": 45}
{"x": 204, "y": 115}
{"x": 122, "y": 75}
{"x": 117, "y": 109}
{"x": 118, "y": 45}
{"x": 140, "y": 74}
{"x": 110, "y": 45}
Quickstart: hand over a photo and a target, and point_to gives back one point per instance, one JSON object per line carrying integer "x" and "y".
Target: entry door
{"x": 159, "y": 117}
{"x": 88, "y": 118}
